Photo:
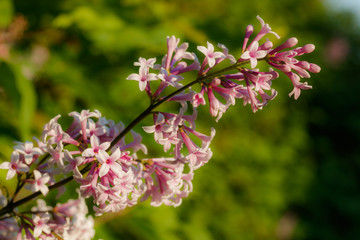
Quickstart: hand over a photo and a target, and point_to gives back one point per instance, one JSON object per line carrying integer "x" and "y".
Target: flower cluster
{"x": 64, "y": 221}
{"x": 117, "y": 173}
{"x": 116, "y": 178}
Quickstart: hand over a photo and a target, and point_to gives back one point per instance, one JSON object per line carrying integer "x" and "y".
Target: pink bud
{"x": 308, "y": 48}
{"x": 303, "y": 64}
{"x": 291, "y": 42}
{"x": 249, "y": 30}
{"x": 314, "y": 68}
{"x": 266, "y": 45}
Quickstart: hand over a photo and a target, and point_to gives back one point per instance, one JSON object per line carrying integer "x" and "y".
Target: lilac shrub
{"x": 113, "y": 171}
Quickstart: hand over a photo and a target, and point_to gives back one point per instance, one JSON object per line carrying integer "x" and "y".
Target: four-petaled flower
{"x": 143, "y": 77}
{"x": 39, "y": 182}
{"x": 209, "y": 53}
{"x": 159, "y": 128}
{"x": 109, "y": 163}
{"x": 41, "y": 225}
{"x": 14, "y": 166}
{"x": 253, "y": 54}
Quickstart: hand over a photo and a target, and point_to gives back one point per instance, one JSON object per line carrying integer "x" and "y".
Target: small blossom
{"x": 28, "y": 150}
{"x": 14, "y": 166}
{"x": 109, "y": 162}
{"x": 143, "y": 63}
{"x": 39, "y": 182}
{"x": 41, "y": 225}
{"x": 95, "y": 147}
{"x": 265, "y": 29}
{"x": 210, "y": 55}
{"x": 143, "y": 78}
{"x": 253, "y": 54}
{"x": 159, "y": 128}
{"x": 226, "y": 53}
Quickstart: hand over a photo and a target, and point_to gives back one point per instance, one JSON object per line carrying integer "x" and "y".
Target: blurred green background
{"x": 290, "y": 171}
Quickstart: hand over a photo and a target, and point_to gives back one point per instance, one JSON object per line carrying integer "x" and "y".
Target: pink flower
{"x": 253, "y": 54}
{"x": 209, "y": 53}
{"x": 41, "y": 225}
{"x": 249, "y": 30}
{"x": 198, "y": 98}
{"x": 109, "y": 163}
{"x": 159, "y": 128}
{"x": 170, "y": 79}
{"x": 28, "y": 150}
{"x": 143, "y": 63}
{"x": 95, "y": 129}
{"x": 226, "y": 53}
{"x": 108, "y": 194}
{"x": 172, "y": 43}
{"x": 73, "y": 164}
{"x": 14, "y": 166}
{"x": 136, "y": 144}
{"x": 95, "y": 147}
{"x": 214, "y": 103}
{"x": 197, "y": 156}
{"x": 265, "y": 29}
{"x": 143, "y": 77}
{"x": 82, "y": 118}
{"x": 39, "y": 182}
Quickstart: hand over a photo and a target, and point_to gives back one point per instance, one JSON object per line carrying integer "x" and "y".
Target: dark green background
{"x": 290, "y": 171}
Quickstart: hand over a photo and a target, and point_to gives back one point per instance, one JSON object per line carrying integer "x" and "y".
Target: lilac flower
{"x": 108, "y": 194}
{"x": 28, "y": 150}
{"x": 73, "y": 164}
{"x": 57, "y": 156}
{"x": 198, "y": 98}
{"x": 226, "y": 53}
{"x": 136, "y": 144}
{"x": 143, "y": 63}
{"x": 197, "y": 156}
{"x": 214, "y": 103}
{"x": 82, "y": 118}
{"x": 159, "y": 128}
{"x": 14, "y": 166}
{"x": 143, "y": 78}
{"x": 168, "y": 185}
{"x": 249, "y": 30}
{"x": 172, "y": 43}
{"x": 58, "y": 137}
{"x": 95, "y": 147}
{"x": 95, "y": 129}
{"x": 109, "y": 163}
{"x": 39, "y": 182}
{"x": 41, "y": 224}
{"x": 253, "y": 54}
{"x": 265, "y": 29}
{"x": 170, "y": 79}
{"x": 210, "y": 55}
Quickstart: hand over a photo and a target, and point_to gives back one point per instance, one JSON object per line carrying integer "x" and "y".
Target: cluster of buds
{"x": 117, "y": 173}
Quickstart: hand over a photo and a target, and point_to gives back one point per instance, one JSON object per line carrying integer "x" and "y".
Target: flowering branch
{"x": 111, "y": 171}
